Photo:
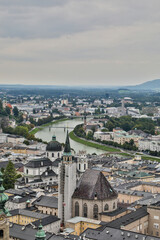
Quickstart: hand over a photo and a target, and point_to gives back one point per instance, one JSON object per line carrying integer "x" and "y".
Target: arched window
{"x": 76, "y": 209}
{"x": 106, "y": 207}
{"x": 114, "y": 205}
{"x": 79, "y": 166}
{"x": 85, "y": 210}
{"x": 52, "y": 154}
{"x": 95, "y": 211}
{"x": 84, "y": 166}
{"x": 58, "y": 154}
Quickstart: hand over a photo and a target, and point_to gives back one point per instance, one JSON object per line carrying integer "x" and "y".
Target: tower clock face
{"x": 2, "y": 219}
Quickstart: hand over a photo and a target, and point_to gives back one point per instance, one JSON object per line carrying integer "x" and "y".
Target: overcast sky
{"x": 77, "y": 42}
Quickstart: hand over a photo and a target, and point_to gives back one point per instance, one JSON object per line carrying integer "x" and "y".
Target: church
{"x": 88, "y": 197}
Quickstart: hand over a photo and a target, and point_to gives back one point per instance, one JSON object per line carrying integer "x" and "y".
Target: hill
{"x": 149, "y": 85}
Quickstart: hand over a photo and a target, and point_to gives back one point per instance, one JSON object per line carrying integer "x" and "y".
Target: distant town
{"x": 102, "y": 178}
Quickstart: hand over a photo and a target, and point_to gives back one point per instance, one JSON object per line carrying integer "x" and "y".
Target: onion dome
{"x": 40, "y": 235}
{"x": 54, "y": 146}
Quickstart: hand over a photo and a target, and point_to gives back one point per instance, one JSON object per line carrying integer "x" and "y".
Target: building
{"x": 39, "y": 171}
{"x": 66, "y": 183}
{"x": 47, "y": 205}
{"x": 4, "y": 224}
{"x": 53, "y": 149}
{"x": 93, "y": 195}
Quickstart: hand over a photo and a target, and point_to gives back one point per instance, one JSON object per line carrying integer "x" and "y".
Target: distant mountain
{"x": 149, "y": 85}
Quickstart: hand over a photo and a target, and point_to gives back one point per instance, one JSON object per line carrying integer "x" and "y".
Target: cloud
{"x": 79, "y": 39}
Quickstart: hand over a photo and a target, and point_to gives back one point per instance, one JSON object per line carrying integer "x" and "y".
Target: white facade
{"x": 3, "y": 138}
{"x": 82, "y": 164}
{"x": 15, "y": 139}
{"x": 147, "y": 144}
{"x": 67, "y": 185}
{"x": 53, "y": 155}
{"x": 103, "y": 136}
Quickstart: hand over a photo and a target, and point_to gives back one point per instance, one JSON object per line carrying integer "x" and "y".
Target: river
{"x": 57, "y": 129}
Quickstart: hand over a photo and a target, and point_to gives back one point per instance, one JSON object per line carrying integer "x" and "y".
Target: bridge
{"x": 64, "y": 127}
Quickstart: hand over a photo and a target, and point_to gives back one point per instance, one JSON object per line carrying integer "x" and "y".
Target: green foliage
{"x": 91, "y": 144}
{"x": 26, "y": 142}
{"x": 9, "y": 176}
{"x": 127, "y": 123}
{"x": 15, "y": 111}
{"x": 79, "y": 131}
{"x": 8, "y": 110}
{"x": 21, "y": 131}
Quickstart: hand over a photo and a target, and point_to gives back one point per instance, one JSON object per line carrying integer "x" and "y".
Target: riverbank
{"x": 91, "y": 144}
{"x": 37, "y": 129}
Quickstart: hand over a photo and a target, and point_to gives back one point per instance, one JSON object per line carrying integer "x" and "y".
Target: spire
{"x": 40, "y": 235}
{"x": 3, "y": 198}
{"x": 67, "y": 149}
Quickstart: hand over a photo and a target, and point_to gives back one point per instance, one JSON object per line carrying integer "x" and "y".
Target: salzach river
{"x": 58, "y": 129}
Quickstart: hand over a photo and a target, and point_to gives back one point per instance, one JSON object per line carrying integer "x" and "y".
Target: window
{"x": 114, "y": 205}
{"x": 76, "y": 209}
{"x": 84, "y": 166}
{"x": 156, "y": 225}
{"x": 85, "y": 210}
{"x": 79, "y": 166}
{"x": 156, "y": 217}
{"x": 52, "y": 154}
{"x": 27, "y": 171}
{"x": 106, "y": 207}
{"x": 58, "y": 154}
{"x": 1, "y": 234}
{"x": 95, "y": 211}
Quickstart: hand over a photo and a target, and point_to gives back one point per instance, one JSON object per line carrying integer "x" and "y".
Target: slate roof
{"x": 45, "y": 221}
{"x": 54, "y": 146}
{"x": 40, "y": 162}
{"x": 56, "y": 162}
{"x": 109, "y": 233}
{"x": 47, "y": 201}
{"x": 115, "y": 212}
{"x": 67, "y": 148}
{"x": 24, "y": 233}
{"x": 4, "y": 164}
{"x": 129, "y": 218}
{"x": 94, "y": 184}
{"x": 28, "y": 213}
{"x": 48, "y": 173}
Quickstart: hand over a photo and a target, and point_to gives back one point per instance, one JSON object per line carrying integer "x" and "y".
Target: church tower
{"x": 40, "y": 235}
{"x": 66, "y": 183}
{"x": 4, "y": 224}
{"x": 85, "y": 119}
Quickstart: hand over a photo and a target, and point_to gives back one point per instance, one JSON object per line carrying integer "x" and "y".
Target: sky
{"x": 79, "y": 42}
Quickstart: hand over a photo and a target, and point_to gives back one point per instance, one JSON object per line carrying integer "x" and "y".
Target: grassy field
{"x": 151, "y": 158}
{"x": 91, "y": 144}
{"x": 35, "y": 130}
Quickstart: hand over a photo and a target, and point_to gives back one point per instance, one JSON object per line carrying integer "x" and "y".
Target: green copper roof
{"x": 40, "y": 235}
{"x": 67, "y": 148}
{"x": 53, "y": 138}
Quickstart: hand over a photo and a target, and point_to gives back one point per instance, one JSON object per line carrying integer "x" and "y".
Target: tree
{"x": 8, "y": 110}
{"x": 15, "y": 111}
{"x": 9, "y": 176}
